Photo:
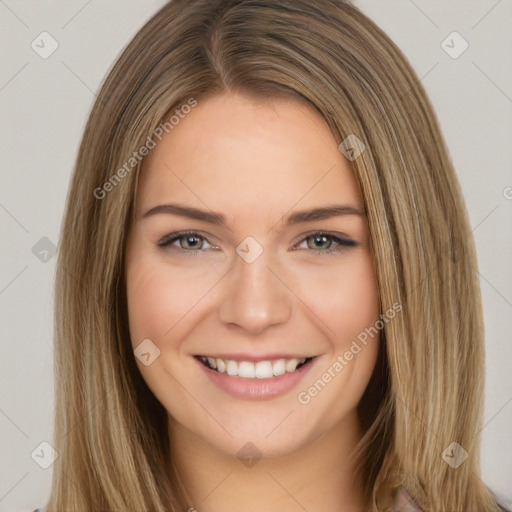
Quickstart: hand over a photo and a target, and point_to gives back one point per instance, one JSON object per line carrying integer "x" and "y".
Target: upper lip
{"x": 254, "y": 358}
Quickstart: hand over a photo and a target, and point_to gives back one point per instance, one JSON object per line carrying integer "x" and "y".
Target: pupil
{"x": 319, "y": 239}
{"x": 191, "y": 238}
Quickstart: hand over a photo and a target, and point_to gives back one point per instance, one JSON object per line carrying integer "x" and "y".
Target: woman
{"x": 267, "y": 296}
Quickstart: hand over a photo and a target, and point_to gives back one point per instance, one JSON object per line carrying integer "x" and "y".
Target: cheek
{"x": 345, "y": 298}
{"x": 154, "y": 306}
{"x": 164, "y": 301}
{"x": 146, "y": 297}
{"x": 351, "y": 312}
{"x": 357, "y": 300}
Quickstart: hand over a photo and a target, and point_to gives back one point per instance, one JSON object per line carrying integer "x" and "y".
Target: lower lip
{"x": 256, "y": 389}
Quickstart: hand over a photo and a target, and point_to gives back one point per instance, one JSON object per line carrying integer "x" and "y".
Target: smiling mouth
{"x": 251, "y": 370}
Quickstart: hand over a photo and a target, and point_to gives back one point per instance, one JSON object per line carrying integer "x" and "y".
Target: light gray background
{"x": 44, "y": 104}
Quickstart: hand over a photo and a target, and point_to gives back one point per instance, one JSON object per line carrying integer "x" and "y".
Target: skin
{"x": 255, "y": 162}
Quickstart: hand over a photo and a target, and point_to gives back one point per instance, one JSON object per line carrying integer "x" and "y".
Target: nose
{"x": 255, "y": 295}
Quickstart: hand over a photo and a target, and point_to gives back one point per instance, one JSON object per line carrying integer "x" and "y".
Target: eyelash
{"x": 342, "y": 243}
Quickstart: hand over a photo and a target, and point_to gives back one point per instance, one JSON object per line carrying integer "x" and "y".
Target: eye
{"x": 325, "y": 241}
{"x": 188, "y": 241}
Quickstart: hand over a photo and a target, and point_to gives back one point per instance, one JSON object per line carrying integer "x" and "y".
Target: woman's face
{"x": 258, "y": 285}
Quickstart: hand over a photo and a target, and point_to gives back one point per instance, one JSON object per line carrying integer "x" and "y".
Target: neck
{"x": 318, "y": 476}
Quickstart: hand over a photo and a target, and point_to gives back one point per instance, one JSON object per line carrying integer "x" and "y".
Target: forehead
{"x": 235, "y": 152}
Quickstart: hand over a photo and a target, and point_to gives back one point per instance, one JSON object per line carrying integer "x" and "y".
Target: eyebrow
{"x": 314, "y": 214}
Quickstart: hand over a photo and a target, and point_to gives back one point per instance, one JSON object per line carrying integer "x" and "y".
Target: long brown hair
{"x": 109, "y": 429}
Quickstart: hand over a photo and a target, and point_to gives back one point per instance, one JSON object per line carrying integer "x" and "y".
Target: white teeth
{"x": 263, "y": 369}
{"x": 291, "y": 365}
{"x": 246, "y": 370}
{"x": 232, "y": 368}
{"x": 279, "y": 367}
{"x": 249, "y": 370}
{"x": 221, "y": 365}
